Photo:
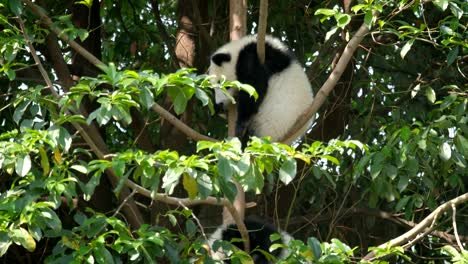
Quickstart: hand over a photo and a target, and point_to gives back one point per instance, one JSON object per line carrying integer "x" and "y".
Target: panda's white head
{"x": 224, "y": 61}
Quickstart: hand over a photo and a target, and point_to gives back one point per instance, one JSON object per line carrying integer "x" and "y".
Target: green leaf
{"x": 224, "y": 168}
{"x": 11, "y": 74}
{"x": 102, "y": 255}
{"x": 402, "y": 203}
{"x": 358, "y": 7}
{"x": 44, "y": 161}
{"x": 342, "y": 20}
{"x": 51, "y": 218}
{"x": 5, "y": 243}
{"x": 22, "y": 237}
{"x": 415, "y": 90}
{"x": 190, "y": 185}
{"x": 87, "y": 3}
{"x": 369, "y": 18}
{"x": 391, "y": 171}
{"x": 445, "y": 152}
{"x": 146, "y": 97}
{"x": 448, "y": 100}
{"x": 79, "y": 168}
{"x": 406, "y": 48}
{"x": 19, "y": 111}
{"x": 23, "y": 165}
{"x": 288, "y": 170}
{"x": 452, "y": 55}
{"x": 405, "y": 133}
{"x": 456, "y": 10}
{"x": 228, "y": 188}
{"x": 462, "y": 145}
{"x": 15, "y": 7}
{"x": 314, "y": 245}
{"x": 204, "y": 185}
{"x": 412, "y": 165}
{"x": 442, "y": 4}
{"x": 430, "y": 94}
{"x": 180, "y": 103}
{"x": 171, "y": 179}
{"x": 377, "y": 164}
{"x": 190, "y": 227}
{"x": 202, "y": 96}
{"x": 402, "y": 182}
{"x": 326, "y": 12}
{"x": 119, "y": 167}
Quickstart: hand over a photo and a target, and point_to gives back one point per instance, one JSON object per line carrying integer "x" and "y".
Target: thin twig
{"x": 454, "y": 224}
{"x": 202, "y": 230}
{"x": 174, "y": 200}
{"x": 36, "y": 59}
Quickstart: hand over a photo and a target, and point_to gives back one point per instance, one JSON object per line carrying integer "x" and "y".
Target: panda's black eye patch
{"x": 219, "y": 58}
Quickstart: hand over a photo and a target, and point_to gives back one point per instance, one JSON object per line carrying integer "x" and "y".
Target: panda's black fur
{"x": 259, "y": 236}
{"x": 283, "y": 89}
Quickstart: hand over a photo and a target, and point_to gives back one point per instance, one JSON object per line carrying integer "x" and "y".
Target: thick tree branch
{"x": 179, "y": 124}
{"x": 236, "y": 213}
{"x": 329, "y": 84}
{"x": 58, "y": 63}
{"x": 415, "y": 233}
{"x": 261, "y": 32}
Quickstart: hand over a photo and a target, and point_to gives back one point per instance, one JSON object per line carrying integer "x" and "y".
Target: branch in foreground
{"x": 329, "y": 84}
{"x": 188, "y": 202}
{"x": 236, "y": 212}
{"x": 414, "y": 233}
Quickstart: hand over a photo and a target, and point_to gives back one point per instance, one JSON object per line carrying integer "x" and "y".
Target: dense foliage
{"x": 93, "y": 169}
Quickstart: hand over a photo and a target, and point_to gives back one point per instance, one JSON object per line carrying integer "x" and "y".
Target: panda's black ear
{"x": 219, "y": 58}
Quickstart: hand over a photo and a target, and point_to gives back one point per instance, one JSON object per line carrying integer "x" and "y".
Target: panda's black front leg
{"x": 246, "y": 108}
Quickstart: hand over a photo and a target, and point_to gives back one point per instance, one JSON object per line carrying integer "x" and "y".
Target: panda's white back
{"x": 288, "y": 96}
{"x": 288, "y": 93}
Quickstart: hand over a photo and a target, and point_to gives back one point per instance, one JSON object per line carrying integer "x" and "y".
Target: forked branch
{"x": 418, "y": 232}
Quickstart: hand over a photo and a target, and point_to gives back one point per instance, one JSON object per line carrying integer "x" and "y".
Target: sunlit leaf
{"x": 406, "y": 48}
{"x": 445, "y": 151}
{"x": 288, "y": 170}
{"x": 430, "y": 94}
{"x": 190, "y": 185}
{"x": 23, "y": 165}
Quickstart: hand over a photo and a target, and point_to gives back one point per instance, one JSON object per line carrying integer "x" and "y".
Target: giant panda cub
{"x": 259, "y": 236}
{"x": 284, "y": 92}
